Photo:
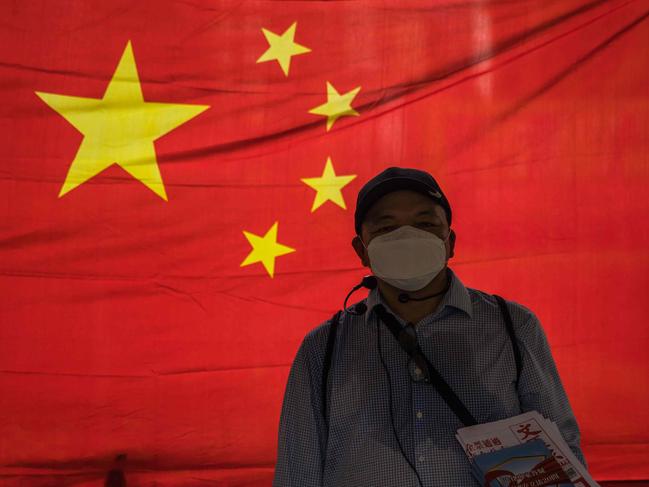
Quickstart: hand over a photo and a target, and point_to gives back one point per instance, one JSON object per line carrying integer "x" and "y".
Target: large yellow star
{"x": 119, "y": 128}
{"x": 337, "y": 105}
{"x": 328, "y": 187}
{"x": 282, "y": 48}
{"x": 265, "y": 249}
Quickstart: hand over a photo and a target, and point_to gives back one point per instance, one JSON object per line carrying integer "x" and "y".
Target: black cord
{"x": 394, "y": 428}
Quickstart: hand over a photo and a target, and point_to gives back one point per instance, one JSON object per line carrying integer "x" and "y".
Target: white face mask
{"x": 408, "y": 258}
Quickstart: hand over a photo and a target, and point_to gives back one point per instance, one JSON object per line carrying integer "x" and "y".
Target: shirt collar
{"x": 457, "y": 297}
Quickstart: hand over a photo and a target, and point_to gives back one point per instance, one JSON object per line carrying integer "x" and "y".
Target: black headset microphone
{"x": 368, "y": 282}
{"x": 405, "y": 298}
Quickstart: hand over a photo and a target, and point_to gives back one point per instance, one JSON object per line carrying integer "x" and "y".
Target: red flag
{"x": 178, "y": 187}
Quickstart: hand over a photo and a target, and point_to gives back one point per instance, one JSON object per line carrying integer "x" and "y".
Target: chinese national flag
{"x": 177, "y": 186}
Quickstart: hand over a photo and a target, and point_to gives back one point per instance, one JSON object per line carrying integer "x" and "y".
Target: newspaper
{"x": 530, "y": 464}
{"x": 489, "y": 437}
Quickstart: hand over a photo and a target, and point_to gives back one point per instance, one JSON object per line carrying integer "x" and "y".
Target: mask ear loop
{"x": 364, "y": 246}
{"x": 361, "y": 240}
{"x": 451, "y": 242}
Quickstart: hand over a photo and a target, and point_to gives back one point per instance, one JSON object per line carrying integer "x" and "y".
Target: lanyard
{"x": 432, "y": 376}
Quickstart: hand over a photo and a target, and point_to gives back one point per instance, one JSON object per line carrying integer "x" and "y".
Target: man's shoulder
{"x": 318, "y": 336}
{"x": 484, "y": 304}
{"x": 321, "y": 330}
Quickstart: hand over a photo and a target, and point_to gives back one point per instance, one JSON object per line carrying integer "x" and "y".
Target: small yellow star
{"x": 282, "y": 48}
{"x": 265, "y": 249}
{"x": 337, "y": 105}
{"x": 328, "y": 187}
{"x": 119, "y": 128}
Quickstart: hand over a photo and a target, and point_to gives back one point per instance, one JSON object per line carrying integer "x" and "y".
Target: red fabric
{"x": 129, "y": 326}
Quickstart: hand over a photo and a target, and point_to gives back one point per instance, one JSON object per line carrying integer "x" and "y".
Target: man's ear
{"x": 451, "y": 244}
{"x": 360, "y": 250}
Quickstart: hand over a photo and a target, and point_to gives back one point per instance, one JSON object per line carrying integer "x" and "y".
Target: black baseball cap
{"x": 395, "y": 179}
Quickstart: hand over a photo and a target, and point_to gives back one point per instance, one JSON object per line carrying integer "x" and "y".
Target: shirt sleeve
{"x": 301, "y": 439}
{"x": 540, "y": 386}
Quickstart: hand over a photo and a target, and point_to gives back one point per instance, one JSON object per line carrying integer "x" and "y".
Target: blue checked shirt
{"x": 466, "y": 340}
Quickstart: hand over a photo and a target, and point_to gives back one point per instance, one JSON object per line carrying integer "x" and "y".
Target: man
{"x": 378, "y": 425}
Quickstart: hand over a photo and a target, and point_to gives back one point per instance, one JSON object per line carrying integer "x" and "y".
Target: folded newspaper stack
{"x": 524, "y": 451}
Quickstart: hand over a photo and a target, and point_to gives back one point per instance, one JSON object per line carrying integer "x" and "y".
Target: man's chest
{"x": 378, "y": 407}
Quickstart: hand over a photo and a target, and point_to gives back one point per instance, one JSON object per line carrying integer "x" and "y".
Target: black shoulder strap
{"x": 512, "y": 335}
{"x": 329, "y": 350}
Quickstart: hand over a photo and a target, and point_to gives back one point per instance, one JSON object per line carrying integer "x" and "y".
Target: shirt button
{"x": 419, "y": 415}
{"x": 417, "y": 371}
{"x": 421, "y": 458}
